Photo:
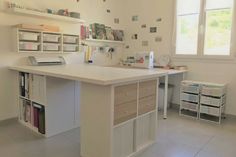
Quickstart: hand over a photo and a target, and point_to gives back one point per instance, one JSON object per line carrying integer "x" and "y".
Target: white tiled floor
{"x": 177, "y": 137}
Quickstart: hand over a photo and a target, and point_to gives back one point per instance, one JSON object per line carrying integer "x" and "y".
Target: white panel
{"x": 60, "y": 111}
{"x": 39, "y": 89}
{"x": 123, "y": 140}
{"x": 146, "y": 130}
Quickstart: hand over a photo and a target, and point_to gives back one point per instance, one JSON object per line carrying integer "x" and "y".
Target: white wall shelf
{"x": 45, "y": 42}
{"x": 104, "y": 41}
{"x": 36, "y": 14}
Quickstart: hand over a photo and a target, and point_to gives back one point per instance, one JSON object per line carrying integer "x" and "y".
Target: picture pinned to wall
{"x": 158, "y": 19}
{"x": 104, "y": 0}
{"x": 158, "y": 39}
{"x": 144, "y": 26}
{"x": 145, "y": 43}
{"x": 127, "y": 46}
{"x": 108, "y": 11}
{"x": 135, "y": 18}
{"x": 134, "y": 36}
{"x": 116, "y": 20}
{"x": 153, "y": 29}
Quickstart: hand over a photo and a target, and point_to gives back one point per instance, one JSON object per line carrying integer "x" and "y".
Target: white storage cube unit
{"x": 29, "y": 46}
{"x": 29, "y": 36}
{"x": 51, "y": 37}
{"x": 26, "y": 40}
{"x": 52, "y": 94}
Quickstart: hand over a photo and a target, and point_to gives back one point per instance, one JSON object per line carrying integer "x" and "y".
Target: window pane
{"x": 188, "y": 6}
{"x": 217, "y": 4}
{"x": 218, "y": 32}
{"x": 187, "y": 34}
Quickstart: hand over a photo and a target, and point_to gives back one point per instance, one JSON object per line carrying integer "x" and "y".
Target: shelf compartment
{"x": 147, "y": 88}
{"x": 51, "y": 47}
{"x": 212, "y": 101}
{"x": 54, "y": 38}
{"x": 70, "y": 48}
{"x": 210, "y": 118}
{"x": 189, "y": 106}
{"x": 147, "y": 104}
{"x": 125, "y": 112}
{"x": 29, "y": 46}
{"x": 29, "y": 36}
{"x": 190, "y": 97}
{"x": 125, "y": 93}
{"x": 70, "y": 39}
{"x": 213, "y": 91}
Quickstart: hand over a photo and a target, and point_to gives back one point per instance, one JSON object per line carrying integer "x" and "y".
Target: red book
{"x": 36, "y": 117}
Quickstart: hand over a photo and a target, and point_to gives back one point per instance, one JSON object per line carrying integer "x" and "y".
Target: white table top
{"x": 91, "y": 73}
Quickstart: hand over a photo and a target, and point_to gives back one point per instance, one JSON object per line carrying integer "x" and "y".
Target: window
{"x": 203, "y": 27}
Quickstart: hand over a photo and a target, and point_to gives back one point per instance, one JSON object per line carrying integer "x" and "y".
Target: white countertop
{"x": 91, "y": 73}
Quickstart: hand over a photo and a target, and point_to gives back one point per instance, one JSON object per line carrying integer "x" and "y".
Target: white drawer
{"x": 213, "y": 91}
{"x": 189, "y": 106}
{"x": 51, "y": 38}
{"x": 70, "y": 39}
{"x": 51, "y": 47}
{"x": 190, "y": 97}
{"x": 212, "y": 101}
{"x": 29, "y": 36}
{"x": 29, "y": 46}
{"x": 190, "y": 88}
{"x": 210, "y": 110}
{"x": 70, "y": 48}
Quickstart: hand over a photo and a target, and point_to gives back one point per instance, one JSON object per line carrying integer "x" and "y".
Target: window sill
{"x": 197, "y": 58}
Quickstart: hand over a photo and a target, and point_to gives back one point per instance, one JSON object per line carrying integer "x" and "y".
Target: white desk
{"x": 170, "y": 72}
{"x": 100, "y": 136}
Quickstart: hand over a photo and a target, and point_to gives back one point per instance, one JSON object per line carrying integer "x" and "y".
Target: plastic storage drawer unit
{"x": 212, "y": 101}
{"x": 210, "y": 110}
{"x": 29, "y": 36}
{"x": 70, "y": 39}
{"x": 213, "y": 91}
{"x": 51, "y": 47}
{"x": 51, "y": 38}
{"x": 28, "y": 46}
{"x": 190, "y": 97}
{"x": 190, "y": 88}
{"x": 189, "y": 106}
{"x": 70, "y": 48}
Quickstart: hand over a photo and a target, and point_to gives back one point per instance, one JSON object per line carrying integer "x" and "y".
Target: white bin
{"x": 161, "y": 94}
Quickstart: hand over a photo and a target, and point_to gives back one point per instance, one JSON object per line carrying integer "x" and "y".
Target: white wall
{"x": 91, "y": 11}
{"x": 199, "y": 69}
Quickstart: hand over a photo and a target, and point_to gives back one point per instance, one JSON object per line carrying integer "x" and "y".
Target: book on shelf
{"x": 39, "y": 117}
{"x": 24, "y": 84}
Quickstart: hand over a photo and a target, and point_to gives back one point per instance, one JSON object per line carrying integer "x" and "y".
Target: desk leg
{"x": 166, "y": 97}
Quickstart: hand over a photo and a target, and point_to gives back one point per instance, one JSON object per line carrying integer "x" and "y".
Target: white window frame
{"x": 201, "y": 36}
